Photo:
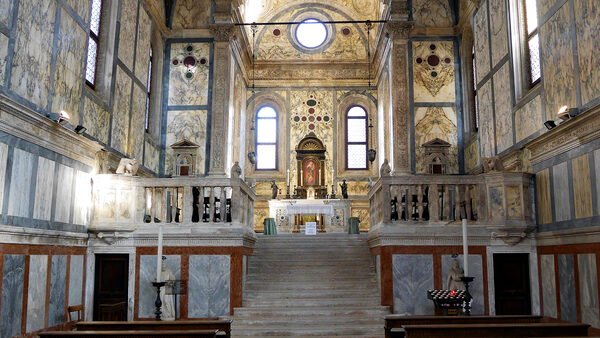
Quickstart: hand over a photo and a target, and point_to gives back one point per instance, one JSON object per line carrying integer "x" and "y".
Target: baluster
{"x": 467, "y": 198}
{"x": 446, "y": 202}
{"x": 190, "y": 201}
{"x": 457, "y": 199}
{"x": 174, "y": 205}
{"x": 434, "y": 203}
{"x": 152, "y": 204}
{"x": 420, "y": 202}
{"x": 211, "y": 204}
{"x": 223, "y": 205}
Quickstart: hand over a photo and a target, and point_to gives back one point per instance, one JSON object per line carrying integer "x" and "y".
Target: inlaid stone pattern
{"x": 3, "y": 164}
{"x": 58, "y": 279}
{"x": 498, "y": 30}
{"x": 412, "y": 277}
{"x": 432, "y": 13}
{"x": 5, "y": 12}
{"x": 36, "y": 294}
{"x": 189, "y": 125}
{"x": 559, "y": 72}
{"x": 11, "y": 304}
{"x": 588, "y": 289}
{"x": 568, "y": 307}
{"x": 548, "y": 286}
{"x": 587, "y": 19}
{"x": 31, "y": 66}
{"x": 147, "y": 292}
{"x": 81, "y": 7}
{"x": 96, "y": 119}
{"x": 138, "y": 117}
{"x": 70, "y": 59}
{"x": 481, "y": 42}
{"x": 190, "y": 14}
{"x": 76, "y": 280}
{"x": 475, "y": 270}
{"x": 142, "y": 54}
{"x": 151, "y": 157}
{"x": 83, "y": 198}
{"x": 544, "y": 6}
{"x": 496, "y": 195}
{"x": 64, "y": 194}
{"x": 486, "y": 120}
{"x": 514, "y": 202}
{"x": 43, "y": 189}
{"x": 3, "y": 56}
{"x": 209, "y": 286}
{"x": 432, "y": 123}
{"x": 127, "y": 21}
{"x": 503, "y": 111}
{"x": 120, "y": 124}
{"x": 472, "y": 155}
{"x": 433, "y": 69}
{"x": 188, "y": 74}
{"x": 18, "y": 204}
{"x": 529, "y": 119}
{"x": 582, "y": 186}
{"x": 543, "y": 193}
{"x": 597, "y": 169}
{"x": 562, "y": 202}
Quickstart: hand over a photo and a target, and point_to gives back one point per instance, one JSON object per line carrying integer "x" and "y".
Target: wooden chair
{"x": 75, "y": 308}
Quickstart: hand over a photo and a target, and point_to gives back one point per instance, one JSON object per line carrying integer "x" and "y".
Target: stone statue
{"x": 454, "y": 275}
{"x": 128, "y": 167}
{"x": 251, "y": 183}
{"x": 102, "y": 166}
{"x": 344, "y": 187}
{"x": 274, "y": 190}
{"x": 166, "y": 293}
{"x": 492, "y": 164}
{"x": 236, "y": 170}
{"x": 385, "y": 169}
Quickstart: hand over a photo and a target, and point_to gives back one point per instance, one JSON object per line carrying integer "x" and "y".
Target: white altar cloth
{"x": 295, "y": 207}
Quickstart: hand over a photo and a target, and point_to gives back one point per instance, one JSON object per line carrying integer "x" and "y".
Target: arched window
{"x": 93, "y": 43}
{"x": 356, "y": 138}
{"x": 266, "y": 139}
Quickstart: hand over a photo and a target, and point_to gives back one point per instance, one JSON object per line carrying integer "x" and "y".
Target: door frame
{"x": 534, "y": 283}
{"x": 90, "y": 275}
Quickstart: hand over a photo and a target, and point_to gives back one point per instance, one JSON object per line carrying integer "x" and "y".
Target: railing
{"x": 122, "y": 201}
{"x": 437, "y": 199}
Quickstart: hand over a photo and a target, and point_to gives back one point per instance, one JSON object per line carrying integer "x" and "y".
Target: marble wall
{"x": 5, "y": 12}
{"x": 486, "y": 121}
{"x": 120, "y": 123}
{"x": 189, "y": 67}
{"x": 529, "y": 119}
{"x": 412, "y": 277}
{"x": 432, "y": 13}
{"x": 481, "y": 42}
{"x": 433, "y": 70}
{"x": 190, "y": 14}
{"x": 502, "y": 109}
{"x": 475, "y": 270}
{"x": 498, "y": 30}
{"x": 36, "y": 293}
{"x": 432, "y": 123}
{"x": 568, "y": 306}
{"x": 588, "y": 289}
{"x": 562, "y": 201}
{"x": 76, "y": 280}
{"x": 582, "y": 186}
{"x": 97, "y": 120}
{"x": 3, "y": 57}
{"x": 127, "y": 31}
{"x": 19, "y": 201}
{"x": 587, "y": 17}
{"x": 192, "y": 126}
{"x": 11, "y": 304}
{"x": 57, "y": 297}
{"x": 548, "y": 285}
{"x": 147, "y": 275}
{"x": 208, "y": 286}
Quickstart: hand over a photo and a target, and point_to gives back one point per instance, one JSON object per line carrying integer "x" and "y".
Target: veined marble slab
{"x": 548, "y": 286}
{"x": 208, "y": 286}
{"x": 76, "y": 280}
{"x": 64, "y": 192}
{"x": 412, "y": 276}
{"x": 475, "y": 288}
{"x": 127, "y": 22}
{"x": 43, "y": 189}
{"x": 562, "y": 201}
{"x": 3, "y": 158}
{"x": 5, "y": 12}
{"x": 147, "y": 292}
{"x": 588, "y": 289}
{"x": 36, "y": 294}
{"x": 3, "y": 56}
{"x": 58, "y": 280}
{"x": 568, "y": 307}
{"x": 18, "y": 204}
{"x": 83, "y": 198}
{"x": 143, "y": 46}
{"x": 13, "y": 275}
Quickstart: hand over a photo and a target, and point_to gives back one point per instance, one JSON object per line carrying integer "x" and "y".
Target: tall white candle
{"x": 287, "y": 180}
{"x": 301, "y": 177}
{"x": 159, "y": 253}
{"x": 465, "y": 247}
{"x": 319, "y": 176}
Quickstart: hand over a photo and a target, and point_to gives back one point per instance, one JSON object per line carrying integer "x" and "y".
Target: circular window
{"x": 311, "y": 33}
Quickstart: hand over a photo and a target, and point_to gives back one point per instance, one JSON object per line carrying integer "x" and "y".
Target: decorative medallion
{"x": 433, "y": 67}
{"x": 188, "y": 62}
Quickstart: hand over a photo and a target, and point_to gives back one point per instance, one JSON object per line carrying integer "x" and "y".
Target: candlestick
{"x": 301, "y": 178}
{"x": 465, "y": 247}
{"x": 159, "y": 253}
{"x": 319, "y": 176}
{"x": 287, "y": 180}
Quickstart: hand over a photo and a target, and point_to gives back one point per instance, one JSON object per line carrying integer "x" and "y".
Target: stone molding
{"x": 20, "y": 235}
{"x": 223, "y": 32}
{"x": 586, "y": 235}
{"x": 399, "y": 30}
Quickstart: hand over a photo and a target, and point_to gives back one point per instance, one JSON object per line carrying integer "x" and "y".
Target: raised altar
{"x": 290, "y": 215}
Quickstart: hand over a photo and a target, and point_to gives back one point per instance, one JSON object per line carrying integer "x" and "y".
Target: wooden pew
{"x": 132, "y": 334}
{"x": 221, "y": 325}
{"x": 497, "y": 330}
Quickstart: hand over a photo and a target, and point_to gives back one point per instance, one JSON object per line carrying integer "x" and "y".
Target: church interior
{"x": 297, "y": 167}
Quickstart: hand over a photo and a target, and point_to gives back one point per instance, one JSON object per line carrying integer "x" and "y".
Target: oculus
{"x": 311, "y": 33}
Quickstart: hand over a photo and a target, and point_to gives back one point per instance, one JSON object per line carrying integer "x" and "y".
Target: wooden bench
{"x": 497, "y": 330}
{"x": 221, "y": 325}
{"x": 394, "y": 321}
{"x": 132, "y": 334}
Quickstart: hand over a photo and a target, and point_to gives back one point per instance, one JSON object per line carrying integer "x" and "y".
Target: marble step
{"x": 286, "y": 286}
{"x": 297, "y": 259}
{"x": 324, "y": 302}
{"x": 309, "y": 312}
{"x": 300, "y": 322}
{"x": 317, "y": 294}
{"x": 316, "y": 278}
{"x": 310, "y": 331}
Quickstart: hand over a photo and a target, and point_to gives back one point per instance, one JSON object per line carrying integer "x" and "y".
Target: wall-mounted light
{"x": 80, "y": 129}
{"x": 61, "y": 118}
{"x": 550, "y": 124}
{"x": 565, "y": 113}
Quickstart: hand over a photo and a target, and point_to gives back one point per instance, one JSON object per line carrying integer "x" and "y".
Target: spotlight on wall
{"x": 550, "y": 124}
{"x": 80, "y": 129}
{"x": 565, "y": 113}
{"x": 61, "y": 118}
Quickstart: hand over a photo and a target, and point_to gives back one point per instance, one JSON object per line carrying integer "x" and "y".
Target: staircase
{"x": 317, "y": 286}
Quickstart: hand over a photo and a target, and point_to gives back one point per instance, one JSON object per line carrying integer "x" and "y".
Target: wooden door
{"x": 511, "y": 284}
{"x": 111, "y": 280}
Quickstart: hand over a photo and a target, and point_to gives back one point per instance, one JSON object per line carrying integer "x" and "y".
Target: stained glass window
{"x": 93, "y": 42}
{"x": 356, "y": 138}
{"x": 266, "y": 138}
{"x": 533, "y": 41}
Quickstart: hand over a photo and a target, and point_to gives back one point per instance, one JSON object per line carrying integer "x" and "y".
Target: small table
{"x": 270, "y": 228}
{"x": 353, "y": 223}
{"x": 447, "y": 302}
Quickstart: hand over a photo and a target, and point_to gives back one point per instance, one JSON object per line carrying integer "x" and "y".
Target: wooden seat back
{"x": 221, "y": 325}
{"x": 133, "y": 334}
{"x": 505, "y": 330}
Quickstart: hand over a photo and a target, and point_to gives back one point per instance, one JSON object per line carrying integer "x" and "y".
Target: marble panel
{"x": 582, "y": 186}
{"x": 548, "y": 286}
{"x": 147, "y": 292}
{"x": 433, "y": 69}
{"x": 503, "y": 111}
{"x": 191, "y": 14}
{"x": 190, "y": 125}
{"x": 568, "y": 307}
{"x": 486, "y": 121}
{"x": 496, "y": 195}
{"x": 83, "y": 198}
{"x": 96, "y": 120}
{"x": 5, "y": 12}
{"x": 36, "y": 294}
{"x": 58, "y": 280}
{"x": 3, "y": 163}
{"x": 18, "y": 203}
{"x": 33, "y": 49}
{"x": 70, "y": 58}
{"x": 588, "y": 289}
{"x": 189, "y": 86}
{"x": 498, "y": 30}
{"x": 124, "y": 205}
{"x": 127, "y": 31}
{"x": 43, "y": 189}
{"x": 76, "y": 280}
{"x": 514, "y": 203}
{"x": 120, "y": 123}
{"x": 559, "y": 72}
{"x": 3, "y": 57}
{"x": 83, "y": 8}
{"x": 529, "y": 119}
{"x": 412, "y": 277}
{"x": 481, "y": 42}
{"x": 64, "y": 194}
{"x": 11, "y": 304}
{"x": 475, "y": 288}
{"x": 597, "y": 170}
{"x": 208, "y": 286}
{"x": 137, "y": 128}
{"x": 432, "y": 13}
{"x": 587, "y": 19}
{"x": 562, "y": 201}
{"x": 151, "y": 157}
{"x": 472, "y": 155}
{"x": 543, "y": 6}
{"x": 432, "y": 123}
{"x": 105, "y": 206}
{"x": 543, "y": 193}
{"x": 142, "y": 54}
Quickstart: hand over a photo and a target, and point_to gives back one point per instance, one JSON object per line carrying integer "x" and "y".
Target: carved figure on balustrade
{"x": 274, "y": 190}
{"x": 236, "y": 170}
{"x": 385, "y": 169}
{"x": 492, "y": 164}
{"x": 344, "y": 187}
{"x": 454, "y": 282}
{"x": 128, "y": 167}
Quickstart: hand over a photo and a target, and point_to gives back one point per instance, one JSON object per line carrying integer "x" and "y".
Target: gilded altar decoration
{"x": 310, "y": 172}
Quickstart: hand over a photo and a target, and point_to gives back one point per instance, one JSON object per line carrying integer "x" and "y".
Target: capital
{"x": 398, "y": 29}
{"x": 223, "y": 32}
